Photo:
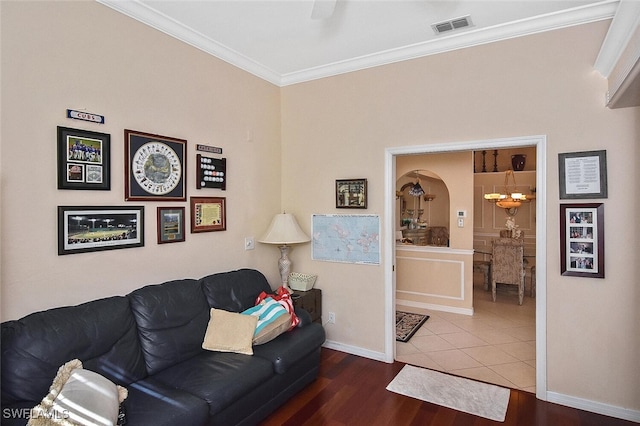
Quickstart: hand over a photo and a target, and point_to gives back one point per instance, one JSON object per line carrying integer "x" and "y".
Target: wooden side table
{"x": 310, "y": 301}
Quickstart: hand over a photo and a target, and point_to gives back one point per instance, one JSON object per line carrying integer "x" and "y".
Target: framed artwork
{"x": 84, "y": 229}
{"x": 351, "y": 193}
{"x": 211, "y": 172}
{"x": 208, "y": 214}
{"x": 154, "y": 167}
{"x": 84, "y": 159}
{"x": 583, "y": 174}
{"x": 582, "y": 240}
{"x": 170, "y": 224}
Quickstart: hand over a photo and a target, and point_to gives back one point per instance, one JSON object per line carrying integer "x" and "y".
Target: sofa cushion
{"x": 80, "y": 397}
{"x": 172, "y": 318}
{"x": 151, "y": 402}
{"x": 102, "y": 334}
{"x": 291, "y": 347}
{"x": 229, "y": 332}
{"x": 234, "y": 291}
{"x": 219, "y": 378}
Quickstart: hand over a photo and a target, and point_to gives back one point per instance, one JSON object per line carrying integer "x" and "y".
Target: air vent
{"x": 452, "y": 24}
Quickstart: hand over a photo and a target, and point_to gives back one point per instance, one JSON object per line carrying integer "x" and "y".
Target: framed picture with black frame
{"x": 84, "y": 159}
{"x": 83, "y": 229}
{"x": 582, "y": 240}
{"x": 351, "y": 193}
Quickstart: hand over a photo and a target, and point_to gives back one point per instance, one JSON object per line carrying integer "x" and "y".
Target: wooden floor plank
{"x": 351, "y": 391}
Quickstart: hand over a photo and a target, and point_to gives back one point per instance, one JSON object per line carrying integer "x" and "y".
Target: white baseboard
{"x": 354, "y": 350}
{"x": 434, "y": 307}
{"x": 594, "y": 406}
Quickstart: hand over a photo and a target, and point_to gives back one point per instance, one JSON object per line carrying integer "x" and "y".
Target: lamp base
{"x": 284, "y": 266}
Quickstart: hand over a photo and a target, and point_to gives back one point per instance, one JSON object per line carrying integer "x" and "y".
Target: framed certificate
{"x": 583, "y": 174}
{"x": 154, "y": 167}
{"x": 208, "y": 214}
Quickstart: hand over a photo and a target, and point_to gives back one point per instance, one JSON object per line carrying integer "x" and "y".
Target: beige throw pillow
{"x": 229, "y": 332}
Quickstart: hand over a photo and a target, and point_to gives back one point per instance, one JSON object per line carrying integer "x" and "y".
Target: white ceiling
{"x": 279, "y": 41}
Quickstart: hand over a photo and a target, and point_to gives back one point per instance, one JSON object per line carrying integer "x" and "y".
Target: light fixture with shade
{"x": 416, "y": 190}
{"x": 284, "y": 231}
{"x": 510, "y": 200}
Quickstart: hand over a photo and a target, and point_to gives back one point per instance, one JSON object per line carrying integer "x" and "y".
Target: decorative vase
{"x": 518, "y": 161}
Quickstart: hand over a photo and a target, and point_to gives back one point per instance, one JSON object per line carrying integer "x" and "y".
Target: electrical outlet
{"x": 332, "y": 317}
{"x": 249, "y": 243}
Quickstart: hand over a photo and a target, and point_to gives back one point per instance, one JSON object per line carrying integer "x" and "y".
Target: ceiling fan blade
{"x": 323, "y": 9}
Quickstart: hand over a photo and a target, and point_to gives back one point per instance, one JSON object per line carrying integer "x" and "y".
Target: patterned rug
{"x": 407, "y": 324}
{"x": 469, "y": 396}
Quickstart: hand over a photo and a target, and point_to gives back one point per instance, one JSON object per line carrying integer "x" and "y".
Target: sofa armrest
{"x": 305, "y": 317}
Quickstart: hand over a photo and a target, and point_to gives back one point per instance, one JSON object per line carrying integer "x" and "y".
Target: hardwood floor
{"x": 350, "y": 390}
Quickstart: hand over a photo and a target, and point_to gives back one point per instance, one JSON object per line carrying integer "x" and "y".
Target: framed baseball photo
{"x": 84, "y": 159}
{"x": 83, "y": 229}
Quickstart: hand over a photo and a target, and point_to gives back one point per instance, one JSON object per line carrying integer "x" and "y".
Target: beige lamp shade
{"x": 284, "y": 229}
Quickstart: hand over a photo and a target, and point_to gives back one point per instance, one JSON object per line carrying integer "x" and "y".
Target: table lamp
{"x": 284, "y": 230}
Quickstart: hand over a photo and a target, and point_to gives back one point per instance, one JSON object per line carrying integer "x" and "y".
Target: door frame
{"x": 540, "y": 142}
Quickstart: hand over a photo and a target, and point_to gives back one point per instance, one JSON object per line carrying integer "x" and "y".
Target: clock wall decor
{"x": 154, "y": 167}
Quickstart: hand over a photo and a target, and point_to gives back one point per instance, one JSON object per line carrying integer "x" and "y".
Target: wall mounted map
{"x": 346, "y": 238}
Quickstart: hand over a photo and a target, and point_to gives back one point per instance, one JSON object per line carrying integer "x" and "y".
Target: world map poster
{"x": 346, "y": 238}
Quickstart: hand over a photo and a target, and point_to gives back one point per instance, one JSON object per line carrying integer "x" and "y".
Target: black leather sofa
{"x": 150, "y": 342}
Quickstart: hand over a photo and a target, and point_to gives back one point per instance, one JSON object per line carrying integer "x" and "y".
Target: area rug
{"x": 407, "y": 324}
{"x": 469, "y": 396}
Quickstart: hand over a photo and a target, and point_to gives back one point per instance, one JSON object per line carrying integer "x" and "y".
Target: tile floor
{"x": 496, "y": 345}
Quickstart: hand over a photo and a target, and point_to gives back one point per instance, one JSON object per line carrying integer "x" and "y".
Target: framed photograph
{"x": 582, "y": 240}
{"x": 170, "y": 224}
{"x": 85, "y": 229}
{"x": 208, "y": 214}
{"x": 583, "y": 174}
{"x": 154, "y": 167}
{"x": 84, "y": 159}
{"x": 351, "y": 193}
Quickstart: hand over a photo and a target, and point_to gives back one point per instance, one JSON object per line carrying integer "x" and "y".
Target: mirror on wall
{"x": 423, "y": 208}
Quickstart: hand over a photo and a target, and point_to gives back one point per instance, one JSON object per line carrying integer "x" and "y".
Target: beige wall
{"x": 539, "y": 85}
{"x": 58, "y": 55}
{"x": 82, "y": 55}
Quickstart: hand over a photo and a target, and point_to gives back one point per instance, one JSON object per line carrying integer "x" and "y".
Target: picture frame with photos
{"x": 582, "y": 251}
{"x": 84, "y": 159}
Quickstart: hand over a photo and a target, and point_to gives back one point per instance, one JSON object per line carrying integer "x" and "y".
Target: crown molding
{"x": 576, "y": 16}
{"x": 624, "y": 28}
{"x": 148, "y": 16}
{"x": 571, "y": 17}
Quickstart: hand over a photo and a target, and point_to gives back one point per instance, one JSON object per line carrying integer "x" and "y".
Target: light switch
{"x": 460, "y": 222}
{"x": 249, "y": 243}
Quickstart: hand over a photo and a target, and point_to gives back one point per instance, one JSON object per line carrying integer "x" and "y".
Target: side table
{"x": 310, "y": 301}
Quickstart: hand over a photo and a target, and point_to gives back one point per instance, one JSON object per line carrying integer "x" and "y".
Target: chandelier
{"x": 510, "y": 200}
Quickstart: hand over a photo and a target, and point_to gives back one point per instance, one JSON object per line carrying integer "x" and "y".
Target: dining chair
{"x": 507, "y": 264}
